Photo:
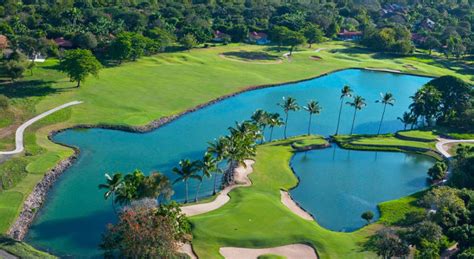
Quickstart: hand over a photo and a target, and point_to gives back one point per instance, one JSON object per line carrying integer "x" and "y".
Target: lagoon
{"x": 75, "y": 214}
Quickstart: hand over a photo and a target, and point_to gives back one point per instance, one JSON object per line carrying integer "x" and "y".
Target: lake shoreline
{"x": 35, "y": 200}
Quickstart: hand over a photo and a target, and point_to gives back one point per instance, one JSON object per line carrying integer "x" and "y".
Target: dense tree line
{"x": 125, "y": 30}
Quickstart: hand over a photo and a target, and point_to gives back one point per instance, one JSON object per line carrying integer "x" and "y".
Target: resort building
{"x": 349, "y": 35}
{"x": 259, "y": 38}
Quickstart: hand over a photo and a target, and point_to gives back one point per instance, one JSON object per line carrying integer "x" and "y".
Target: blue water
{"x": 337, "y": 185}
{"x": 75, "y": 213}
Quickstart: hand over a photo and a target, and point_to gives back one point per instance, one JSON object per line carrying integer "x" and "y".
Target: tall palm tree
{"x": 208, "y": 165}
{"x": 346, "y": 91}
{"x": 313, "y": 108}
{"x": 288, "y": 104}
{"x": 358, "y": 103}
{"x": 274, "y": 121}
{"x": 129, "y": 190}
{"x": 406, "y": 119}
{"x": 112, "y": 184}
{"x": 385, "y": 99}
{"x": 187, "y": 170}
{"x": 261, "y": 118}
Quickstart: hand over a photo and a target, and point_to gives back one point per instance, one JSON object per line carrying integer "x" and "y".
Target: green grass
{"x": 21, "y": 249}
{"x": 394, "y": 212}
{"x": 423, "y": 135}
{"x": 255, "y": 216}
{"x": 138, "y": 92}
{"x": 302, "y": 142}
{"x": 271, "y": 256}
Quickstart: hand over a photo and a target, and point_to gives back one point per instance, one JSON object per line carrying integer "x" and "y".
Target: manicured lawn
{"x": 255, "y": 216}
{"x": 427, "y": 135}
{"x": 394, "y": 211}
{"x": 21, "y": 249}
{"x": 302, "y": 142}
{"x": 139, "y": 92}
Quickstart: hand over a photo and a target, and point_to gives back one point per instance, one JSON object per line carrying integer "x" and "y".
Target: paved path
{"x": 442, "y": 143}
{"x": 294, "y": 251}
{"x": 19, "y": 132}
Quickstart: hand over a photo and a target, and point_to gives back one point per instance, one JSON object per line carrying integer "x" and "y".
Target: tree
{"x": 455, "y": 96}
{"x": 14, "y": 69}
{"x": 128, "y": 190}
{"x": 85, "y": 40}
{"x": 188, "y": 41}
{"x": 147, "y": 232}
{"x": 208, "y": 165}
{"x": 261, "y": 118}
{"x": 313, "y": 34}
{"x": 438, "y": 171}
{"x": 293, "y": 39}
{"x": 288, "y": 104}
{"x": 78, "y": 64}
{"x": 120, "y": 48}
{"x": 367, "y": 216}
{"x": 431, "y": 43}
{"x": 155, "y": 186}
{"x": 388, "y": 244}
{"x": 450, "y": 208}
{"x": 187, "y": 170}
{"x": 30, "y": 66}
{"x": 407, "y": 119}
{"x": 385, "y": 99}
{"x": 313, "y": 108}
{"x": 358, "y": 103}
{"x": 277, "y": 34}
{"x": 426, "y": 103}
{"x": 112, "y": 185}
{"x": 346, "y": 91}
{"x": 274, "y": 121}
{"x": 218, "y": 149}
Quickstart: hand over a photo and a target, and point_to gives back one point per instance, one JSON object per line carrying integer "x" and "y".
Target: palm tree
{"x": 129, "y": 190}
{"x": 218, "y": 149}
{"x": 313, "y": 108}
{"x": 261, "y": 118}
{"x": 407, "y": 118}
{"x": 358, "y": 103}
{"x": 156, "y": 186}
{"x": 208, "y": 165}
{"x": 187, "y": 170}
{"x": 346, "y": 91}
{"x": 288, "y": 104}
{"x": 385, "y": 99}
{"x": 112, "y": 184}
{"x": 274, "y": 121}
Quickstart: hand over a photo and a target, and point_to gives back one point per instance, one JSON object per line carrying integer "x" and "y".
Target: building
{"x": 3, "y": 42}
{"x": 259, "y": 38}
{"x": 428, "y": 24}
{"x": 63, "y": 43}
{"x": 349, "y": 35}
{"x": 221, "y": 37}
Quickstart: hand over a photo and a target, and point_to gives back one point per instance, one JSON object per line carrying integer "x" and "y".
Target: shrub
{"x": 3, "y": 102}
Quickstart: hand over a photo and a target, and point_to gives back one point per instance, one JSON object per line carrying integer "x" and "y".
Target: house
{"x": 63, "y": 43}
{"x": 259, "y": 38}
{"x": 3, "y": 42}
{"x": 349, "y": 35}
{"x": 37, "y": 57}
{"x": 428, "y": 24}
{"x": 221, "y": 37}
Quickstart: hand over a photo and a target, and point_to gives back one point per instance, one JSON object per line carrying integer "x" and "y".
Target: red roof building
{"x": 3, "y": 42}
{"x": 260, "y": 38}
{"x": 349, "y": 35}
{"x": 62, "y": 43}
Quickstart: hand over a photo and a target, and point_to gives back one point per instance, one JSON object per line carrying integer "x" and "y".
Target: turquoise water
{"x": 337, "y": 185}
{"x": 75, "y": 213}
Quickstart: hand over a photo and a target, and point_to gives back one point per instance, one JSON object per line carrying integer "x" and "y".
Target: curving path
{"x": 442, "y": 142}
{"x": 294, "y": 251}
{"x": 20, "y": 131}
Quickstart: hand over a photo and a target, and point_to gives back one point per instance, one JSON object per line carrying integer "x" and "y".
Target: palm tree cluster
{"x": 136, "y": 186}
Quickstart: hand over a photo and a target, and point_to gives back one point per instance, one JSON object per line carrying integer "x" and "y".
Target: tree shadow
{"x": 251, "y": 55}
{"x": 23, "y": 89}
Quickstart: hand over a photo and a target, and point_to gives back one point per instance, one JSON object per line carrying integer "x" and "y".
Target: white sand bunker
{"x": 294, "y": 251}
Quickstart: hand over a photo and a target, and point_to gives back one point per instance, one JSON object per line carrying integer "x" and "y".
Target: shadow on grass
{"x": 23, "y": 89}
{"x": 251, "y": 55}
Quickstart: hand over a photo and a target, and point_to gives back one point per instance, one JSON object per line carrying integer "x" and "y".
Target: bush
{"x": 438, "y": 171}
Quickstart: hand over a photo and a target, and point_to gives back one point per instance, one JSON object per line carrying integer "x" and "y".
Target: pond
{"x": 337, "y": 185}
{"x": 75, "y": 214}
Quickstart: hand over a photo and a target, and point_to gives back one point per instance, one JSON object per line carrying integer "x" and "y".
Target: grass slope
{"x": 139, "y": 92}
{"x": 255, "y": 216}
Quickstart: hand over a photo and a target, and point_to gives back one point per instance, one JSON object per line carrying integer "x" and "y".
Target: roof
{"x": 61, "y": 42}
{"x": 3, "y": 42}
{"x": 258, "y": 35}
{"x": 347, "y": 33}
